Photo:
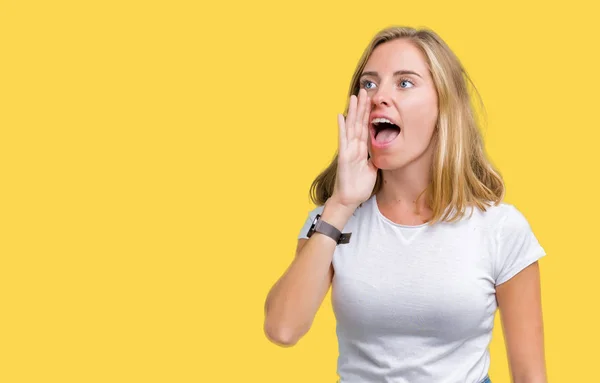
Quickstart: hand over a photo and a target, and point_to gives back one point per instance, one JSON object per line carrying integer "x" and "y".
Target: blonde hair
{"x": 462, "y": 176}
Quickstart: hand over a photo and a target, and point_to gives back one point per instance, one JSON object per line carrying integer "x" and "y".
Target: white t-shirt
{"x": 416, "y": 304}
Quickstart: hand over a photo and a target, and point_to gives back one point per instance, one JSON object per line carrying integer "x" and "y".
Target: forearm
{"x": 295, "y": 299}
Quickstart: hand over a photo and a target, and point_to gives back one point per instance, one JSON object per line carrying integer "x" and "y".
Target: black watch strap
{"x": 320, "y": 226}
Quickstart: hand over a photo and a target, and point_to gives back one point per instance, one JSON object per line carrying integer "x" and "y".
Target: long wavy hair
{"x": 462, "y": 176}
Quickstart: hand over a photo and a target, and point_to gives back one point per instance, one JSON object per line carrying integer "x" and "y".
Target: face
{"x": 401, "y": 89}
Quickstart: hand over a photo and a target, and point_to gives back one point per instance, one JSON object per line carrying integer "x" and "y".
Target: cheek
{"x": 420, "y": 117}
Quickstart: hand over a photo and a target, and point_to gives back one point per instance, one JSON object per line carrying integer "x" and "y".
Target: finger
{"x": 342, "y": 133}
{"x": 350, "y": 118}
{"x": 359, "y": 113}
{"x": 364, "y": 133}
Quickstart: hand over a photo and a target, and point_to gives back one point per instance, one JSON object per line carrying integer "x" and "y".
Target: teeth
{"x": 376, "y": 121}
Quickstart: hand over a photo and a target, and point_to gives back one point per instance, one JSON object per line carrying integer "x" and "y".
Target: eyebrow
{"x": 396, "y": 73}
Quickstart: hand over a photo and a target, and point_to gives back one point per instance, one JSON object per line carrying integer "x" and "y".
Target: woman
{"x": 412, "y": 233}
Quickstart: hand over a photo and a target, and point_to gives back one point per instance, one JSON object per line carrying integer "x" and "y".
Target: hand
{"x": 356, "y": 174}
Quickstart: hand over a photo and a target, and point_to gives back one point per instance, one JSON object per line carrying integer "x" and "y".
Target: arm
{"x": 519, "y": 301}
{"x": 294, "y": 300}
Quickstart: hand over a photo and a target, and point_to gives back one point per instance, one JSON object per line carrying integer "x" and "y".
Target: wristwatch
{"x": 320, "y": 226}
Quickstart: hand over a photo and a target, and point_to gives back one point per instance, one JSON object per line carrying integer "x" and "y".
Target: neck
{"x": 404, "y": 188}
{"x": 400, "y": 188}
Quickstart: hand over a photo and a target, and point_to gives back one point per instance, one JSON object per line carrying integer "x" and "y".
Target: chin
{"x": 386, "y": 162}
{"x": 401, "y": 158}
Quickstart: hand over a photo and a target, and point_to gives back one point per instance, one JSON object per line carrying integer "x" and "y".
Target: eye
{"x": 365, "y": 84}
{"x": 405, "y": 81}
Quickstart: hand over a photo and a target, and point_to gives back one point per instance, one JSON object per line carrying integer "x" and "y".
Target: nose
{"x": 381, "y": 97}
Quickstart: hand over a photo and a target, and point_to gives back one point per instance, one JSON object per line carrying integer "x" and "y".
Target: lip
{"x": 379, "y": 115}
{"x": 374, "y": 143}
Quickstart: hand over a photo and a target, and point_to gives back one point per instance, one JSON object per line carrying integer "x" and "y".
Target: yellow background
{"x": 156, "y": 157}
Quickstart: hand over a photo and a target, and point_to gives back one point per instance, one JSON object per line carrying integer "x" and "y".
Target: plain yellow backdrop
{"x": 156, "y": 159}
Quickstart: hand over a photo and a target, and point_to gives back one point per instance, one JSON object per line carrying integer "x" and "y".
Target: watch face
{"x": 316, "y": 219}
{"x": 314, "y": 224}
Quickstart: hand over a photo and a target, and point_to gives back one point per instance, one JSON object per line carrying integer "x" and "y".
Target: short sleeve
{"x": 517, "y": 246}
{"x": 309, "y": 220}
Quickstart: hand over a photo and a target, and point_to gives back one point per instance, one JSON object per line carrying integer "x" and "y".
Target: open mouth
{"x": 384, "y": 131}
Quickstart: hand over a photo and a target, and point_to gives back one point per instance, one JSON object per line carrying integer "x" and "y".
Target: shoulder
{"x": 503, "y": 215}
{"x": 316, "y": 210}
{"x": 507, "y": 227}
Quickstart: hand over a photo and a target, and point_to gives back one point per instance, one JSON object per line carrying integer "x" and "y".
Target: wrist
{"x": 336, "y": 214}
